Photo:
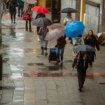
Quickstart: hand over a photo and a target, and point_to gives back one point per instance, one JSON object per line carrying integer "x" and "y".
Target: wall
{"x": 92, "y": 18}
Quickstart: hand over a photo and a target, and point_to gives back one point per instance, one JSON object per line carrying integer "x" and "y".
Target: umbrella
{"x": 40, "y": 9}
{"x": 54, "y": 34}
{"x": 41, "y": 22}
{"x": 30, "y": 1}
{"x": 84, "y": 48}
{"x": 68, "y": 10}
{"x": 74, "y": 28}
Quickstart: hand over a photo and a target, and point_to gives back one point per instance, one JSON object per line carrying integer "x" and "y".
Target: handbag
{"x": 26, "y": 16}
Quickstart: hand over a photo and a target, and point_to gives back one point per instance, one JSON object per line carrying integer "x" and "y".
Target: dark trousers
{"x": 28, "y": 25}
{"x": 81, "y": 77}
{"x": 20, "y": 11}
{"x": 13, "y": 17}
{"x": 81, "y": 72}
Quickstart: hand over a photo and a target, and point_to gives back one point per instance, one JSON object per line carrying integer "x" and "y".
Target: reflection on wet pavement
{"x": 16, "y": 75}
{"x": 5, "y": 60}
{"x": 16, "y": 52}
{"x": 5, "y": 46}
{"x": 16, "y": 67}
{"x": 30, "y": 50}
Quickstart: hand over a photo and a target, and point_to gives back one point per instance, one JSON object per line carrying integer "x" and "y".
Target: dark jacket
{"x": 61, "y": 42}
{"x": 39, "y": 15}
{"x": 12, "y": 6}
{"x": 92, "y": 41}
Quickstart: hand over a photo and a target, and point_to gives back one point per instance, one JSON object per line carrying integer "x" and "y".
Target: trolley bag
{"x": 53, "y": 54}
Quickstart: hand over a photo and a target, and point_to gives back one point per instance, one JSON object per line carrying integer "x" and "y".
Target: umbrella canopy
{"x": 84, "y": 48}
{"x": 40, "y": 9}
{"x": 41, "y": 22}
{"x": 74, "y": 28}
{"x": 54, "y": 34}
{"x": 68, "y": 10}
{"x": 30, "y": 1}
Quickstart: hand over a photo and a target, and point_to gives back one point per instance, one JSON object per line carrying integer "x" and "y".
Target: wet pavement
{"x": 29, "y": 78}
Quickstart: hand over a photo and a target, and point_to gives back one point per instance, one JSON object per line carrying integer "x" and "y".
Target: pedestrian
{"x": 20, "y": 7}
{"x": 82, "y": 61}
{"x": 39, "y": 15}
{"x": 28, "y": 21}
{"x": 12, "y": 10}
{"x": 61, "y": 42}
{"x": 92, "y": 41}
{"x": 67, "y": 19}
{"x": 44, "y": 43}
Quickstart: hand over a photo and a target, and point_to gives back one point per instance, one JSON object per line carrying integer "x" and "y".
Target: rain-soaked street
{"x": 29, "y": 78}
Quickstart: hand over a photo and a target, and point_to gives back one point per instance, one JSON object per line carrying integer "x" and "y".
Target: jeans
{"x": 60, "y": 52}
{"x": 44, "y": 42}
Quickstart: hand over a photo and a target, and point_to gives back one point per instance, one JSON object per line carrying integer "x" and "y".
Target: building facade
{"x": 93, "y": 12}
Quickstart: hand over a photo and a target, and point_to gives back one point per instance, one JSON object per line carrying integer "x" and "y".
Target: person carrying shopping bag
{"x": 27, "y": 16}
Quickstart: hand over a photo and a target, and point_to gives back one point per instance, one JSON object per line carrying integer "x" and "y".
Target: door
{"x": 55, "y": 11}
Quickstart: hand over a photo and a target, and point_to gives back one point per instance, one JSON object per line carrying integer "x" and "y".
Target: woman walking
{"x": 28, "y": 21}
{"x": 92, "y": 41}
{"x": 12, "y": 10}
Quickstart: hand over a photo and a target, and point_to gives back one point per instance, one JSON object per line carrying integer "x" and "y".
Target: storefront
{"x": 54, "y": 7}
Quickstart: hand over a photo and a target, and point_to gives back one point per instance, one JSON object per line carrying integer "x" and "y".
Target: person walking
{"x": 12, "y": 10}
{"x": 20, "y": 7}
{"x": 92, "y": 41}
{"x": 82, "y": 61}
{"x": 61, "y": 42}
{"x": 39, "y": 15}
{"x": 28, "y": 21}
{"x": 44, "y": 43}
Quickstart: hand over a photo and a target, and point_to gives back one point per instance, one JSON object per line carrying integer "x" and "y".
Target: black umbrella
{"x": 41, "y": 22}
{"x": 68, "y": 10}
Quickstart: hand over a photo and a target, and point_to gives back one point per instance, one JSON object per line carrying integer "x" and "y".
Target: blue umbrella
{"x": 74, "y": 28}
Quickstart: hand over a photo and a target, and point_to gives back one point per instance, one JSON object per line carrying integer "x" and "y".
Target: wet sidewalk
{"x": 29, "y": 78}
